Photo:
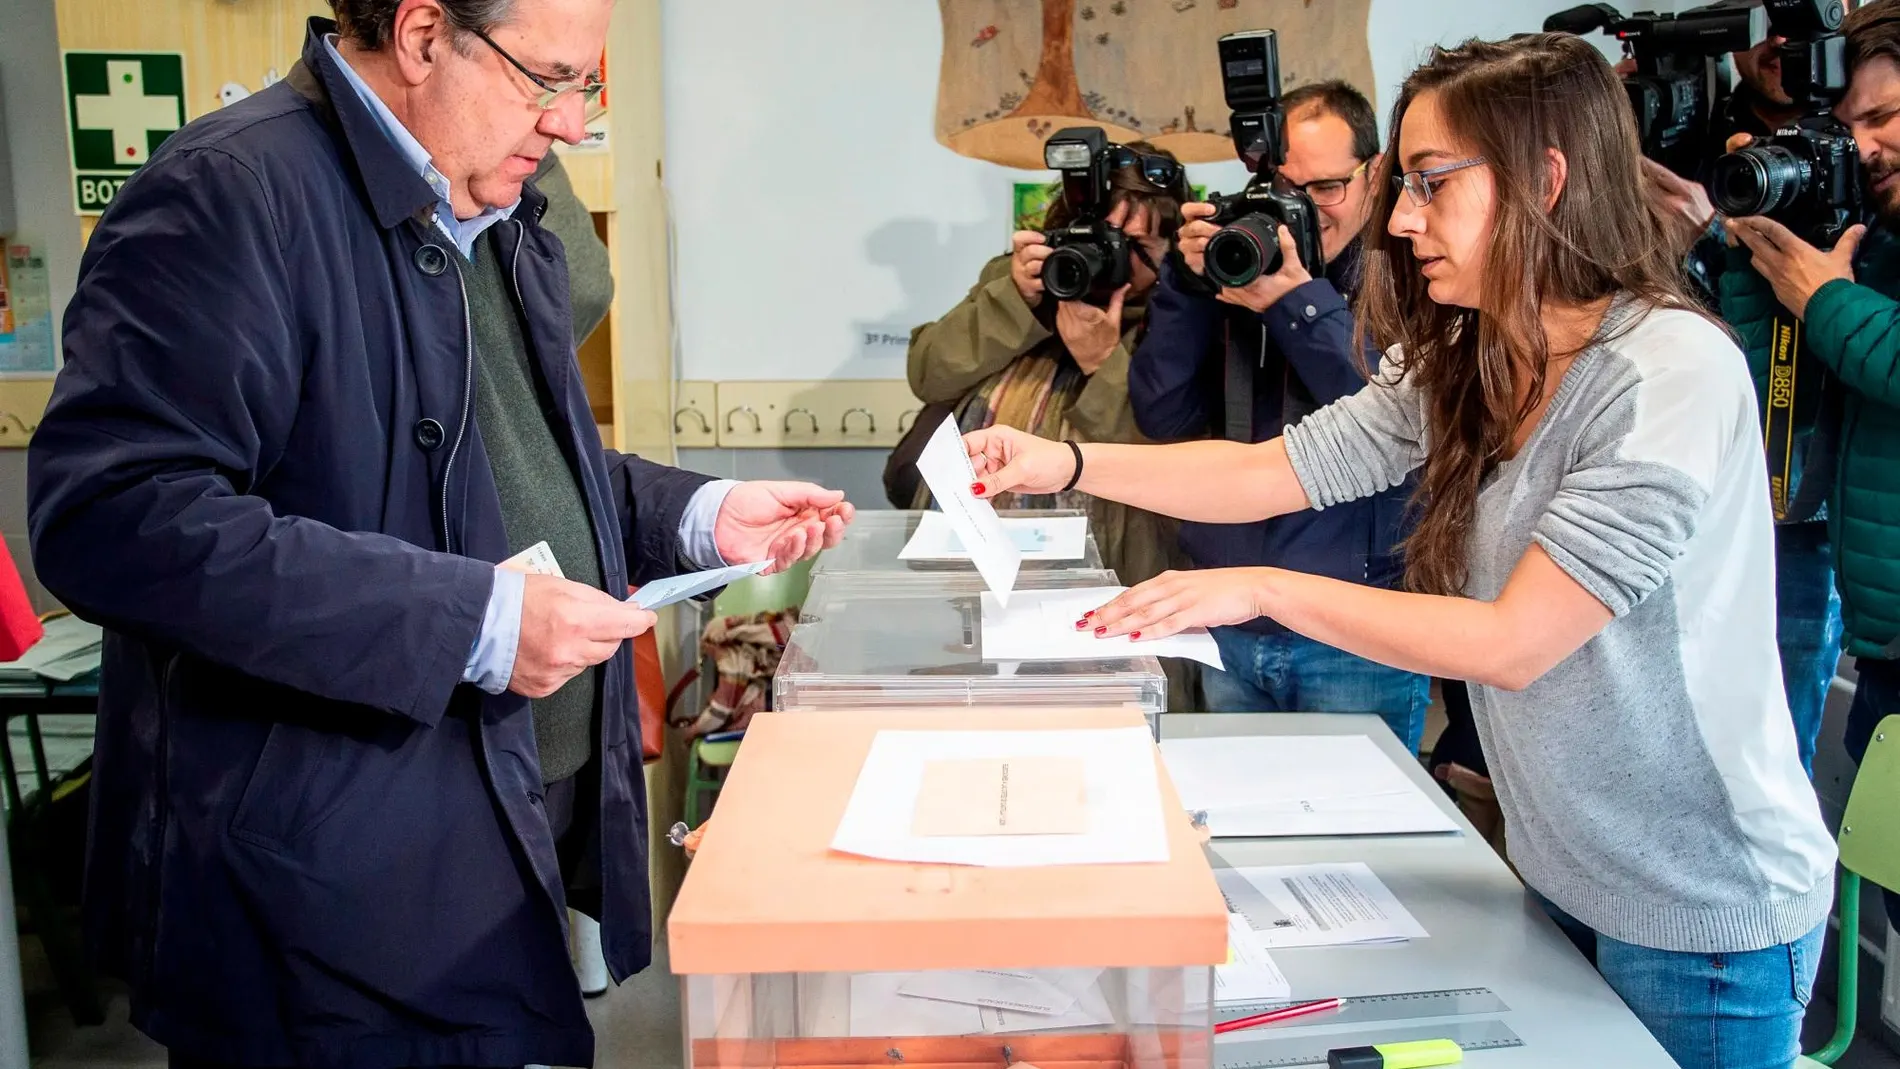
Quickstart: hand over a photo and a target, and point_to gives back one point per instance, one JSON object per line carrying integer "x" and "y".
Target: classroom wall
{"x": 811, "y": 201}
{"x": 42, "y": 203}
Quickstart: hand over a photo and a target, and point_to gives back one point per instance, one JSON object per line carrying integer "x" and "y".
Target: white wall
{"x": 812, "y": 202}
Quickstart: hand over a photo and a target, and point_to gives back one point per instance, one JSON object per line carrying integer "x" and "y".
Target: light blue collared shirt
{"x": 491, "y": 661}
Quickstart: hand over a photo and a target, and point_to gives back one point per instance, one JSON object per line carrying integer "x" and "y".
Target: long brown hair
{"x": 1510, "y": 102}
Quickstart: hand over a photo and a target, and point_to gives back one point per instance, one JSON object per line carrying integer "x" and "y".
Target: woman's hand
{"x": 1006, "y": 459}
{"x": 1028, "y": 249}
{"x": 1173, "y": 602}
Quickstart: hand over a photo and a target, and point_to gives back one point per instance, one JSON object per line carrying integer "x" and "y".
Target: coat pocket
{"x": 297, "y": 783}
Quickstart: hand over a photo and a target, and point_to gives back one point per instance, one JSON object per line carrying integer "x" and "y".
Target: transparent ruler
{"x": 1363, "y": 1009}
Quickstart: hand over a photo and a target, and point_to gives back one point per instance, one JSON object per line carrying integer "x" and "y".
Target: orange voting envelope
{"x": 19, "y": 625}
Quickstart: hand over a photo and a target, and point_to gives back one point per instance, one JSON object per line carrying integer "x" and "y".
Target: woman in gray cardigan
{"x": 1595, "y": 551}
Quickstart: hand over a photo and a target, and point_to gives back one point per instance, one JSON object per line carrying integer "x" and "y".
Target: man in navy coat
{"x": 320, "y": 380}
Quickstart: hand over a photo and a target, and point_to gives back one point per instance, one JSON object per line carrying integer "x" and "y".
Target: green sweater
{"x": 1854, "y": 328}
{"x": 540, "y": 496}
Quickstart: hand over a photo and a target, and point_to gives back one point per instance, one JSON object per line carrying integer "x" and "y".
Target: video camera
{"x": 1090, "y": 261}
{"x": 1248, "y": 245}
{"x": 1681, "y": 78}
{"x": 1805, "y": 176}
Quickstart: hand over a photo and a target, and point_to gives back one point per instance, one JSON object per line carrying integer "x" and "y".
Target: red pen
{"x": 1286, "y": 1013}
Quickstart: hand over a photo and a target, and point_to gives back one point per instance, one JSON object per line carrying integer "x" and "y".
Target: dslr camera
{"x": 1248, "y": 243}
{"x": 1806, "y": 176}
{"x": 1681, "y": 78}
{"x": 1090, "y": 261}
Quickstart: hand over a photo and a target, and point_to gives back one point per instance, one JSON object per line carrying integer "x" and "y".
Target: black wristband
{"x": 1077, "y": 450}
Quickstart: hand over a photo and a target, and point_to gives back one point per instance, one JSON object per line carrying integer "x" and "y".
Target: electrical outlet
{"x": 695, "y": 415}
{"x": 830, "y": 414}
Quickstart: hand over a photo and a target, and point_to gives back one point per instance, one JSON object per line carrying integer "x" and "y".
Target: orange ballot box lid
{"x": 767, "y": 894}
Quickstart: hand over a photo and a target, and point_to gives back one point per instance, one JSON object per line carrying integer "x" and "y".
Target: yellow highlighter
{"x": 1421, "y": 1054}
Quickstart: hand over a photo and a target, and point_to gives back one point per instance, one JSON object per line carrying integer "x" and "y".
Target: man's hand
{"x": 1090, "y": 333}
{"x": 1028, "y": 250}
{"x": 1683, "y": 205}
{"x": 786, "y": 522}
{"x": 1006, "y": 459}
{"x": 1173, "y": 602}
{"x": 1265, "y": 292}
{"x": 1793, "y": 267}
{"x": 567, "y": 628}
{"x": 1194, "y": 232}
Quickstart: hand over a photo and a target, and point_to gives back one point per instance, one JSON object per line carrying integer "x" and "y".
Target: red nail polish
{"x": 1088, "y": 614}
{"x": 1100, "y": 632}
{"x": 977, "y": 489}
{"x": 1080, "y": 624}
{"x": 1134, "y": 634}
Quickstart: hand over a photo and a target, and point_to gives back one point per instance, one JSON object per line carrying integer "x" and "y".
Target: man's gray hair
{"x": 370, "y": 23}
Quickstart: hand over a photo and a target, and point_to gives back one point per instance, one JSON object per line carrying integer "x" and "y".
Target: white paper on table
{"x": 1250, "y": 974}
{"x": 945, "y": 466}
{"x": 1327, "y": 905}
{"x": 1125, "y": 823}
{"x": 663, "y": 592}
{"x": 1283, "y": 785}
{"x": 1045, "y": 991}
{"x": 1039, "y": 625}
{"x": 1042, "y": 538}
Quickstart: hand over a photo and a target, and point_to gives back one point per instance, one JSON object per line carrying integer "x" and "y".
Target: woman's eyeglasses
{"x": 552, "y": 93}
{"x": 1158, "y": 171}
{"x": 1419, "y": 185}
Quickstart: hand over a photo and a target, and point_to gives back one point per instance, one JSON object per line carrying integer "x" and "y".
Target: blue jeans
{"x": 1289, "y": 673}
{"x": 1876, "y": 697}
{"x": 1710, "y": 1011}
{"x": 1807, "y": 626}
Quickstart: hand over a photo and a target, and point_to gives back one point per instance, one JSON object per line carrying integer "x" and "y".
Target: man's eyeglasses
{"x": 1325, "y": 192}
{"x": 1419, "y": 185}
{"x": 552, "y": 93}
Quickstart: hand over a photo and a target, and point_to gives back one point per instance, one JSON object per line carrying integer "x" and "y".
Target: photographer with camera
{"x": 1845, "y": 295}
{"x": 1014, "y": 354}
{"x": 1243, "y": 363}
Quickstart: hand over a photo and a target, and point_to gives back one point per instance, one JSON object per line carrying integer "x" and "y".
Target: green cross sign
{"x": 120, "y": 106}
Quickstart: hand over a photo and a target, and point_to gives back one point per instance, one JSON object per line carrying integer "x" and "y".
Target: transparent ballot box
{"x": 865, "y": 641}
{"x": 791, "y": 954}
{"x": 875, "y": 538}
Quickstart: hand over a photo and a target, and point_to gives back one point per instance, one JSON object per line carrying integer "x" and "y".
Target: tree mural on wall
{"x": 1016, "y": 71}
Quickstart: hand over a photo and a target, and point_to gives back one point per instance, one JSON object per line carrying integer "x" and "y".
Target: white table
{"x": 1486, "y": 931}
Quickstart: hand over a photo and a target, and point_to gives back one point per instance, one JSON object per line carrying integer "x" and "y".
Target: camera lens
{"x": 1069, "y": 272}
{"x": 1758, "y": 180}
{"x": 1238, "y": 254}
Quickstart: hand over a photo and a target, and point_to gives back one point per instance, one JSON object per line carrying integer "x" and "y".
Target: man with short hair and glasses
{"x": 320, "y": 384}
{"x": 1245, "y": 364}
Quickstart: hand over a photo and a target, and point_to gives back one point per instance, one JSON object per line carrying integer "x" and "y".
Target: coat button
{"x": 429, "y": 434}
{"x": 432, "y": 261}
{"x": 1311, "y": 311}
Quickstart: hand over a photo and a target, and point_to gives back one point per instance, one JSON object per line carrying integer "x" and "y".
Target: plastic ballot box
{"x": 794, "y": 953}
{"x": 867, "y": 642}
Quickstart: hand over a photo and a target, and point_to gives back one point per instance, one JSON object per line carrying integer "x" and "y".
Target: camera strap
{"x": 1798, "y": 496}
{"x": 1237, "y": 385}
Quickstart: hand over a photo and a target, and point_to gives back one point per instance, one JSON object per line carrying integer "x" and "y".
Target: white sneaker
{"x": 583, "y": 948}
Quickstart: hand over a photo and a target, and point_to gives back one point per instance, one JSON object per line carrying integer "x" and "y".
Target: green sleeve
{"x": 978, "y": 338}
{"x": 1101, "y": 412}
{"x": 1856, "y": 332}
{"x": 589, "y": 270}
